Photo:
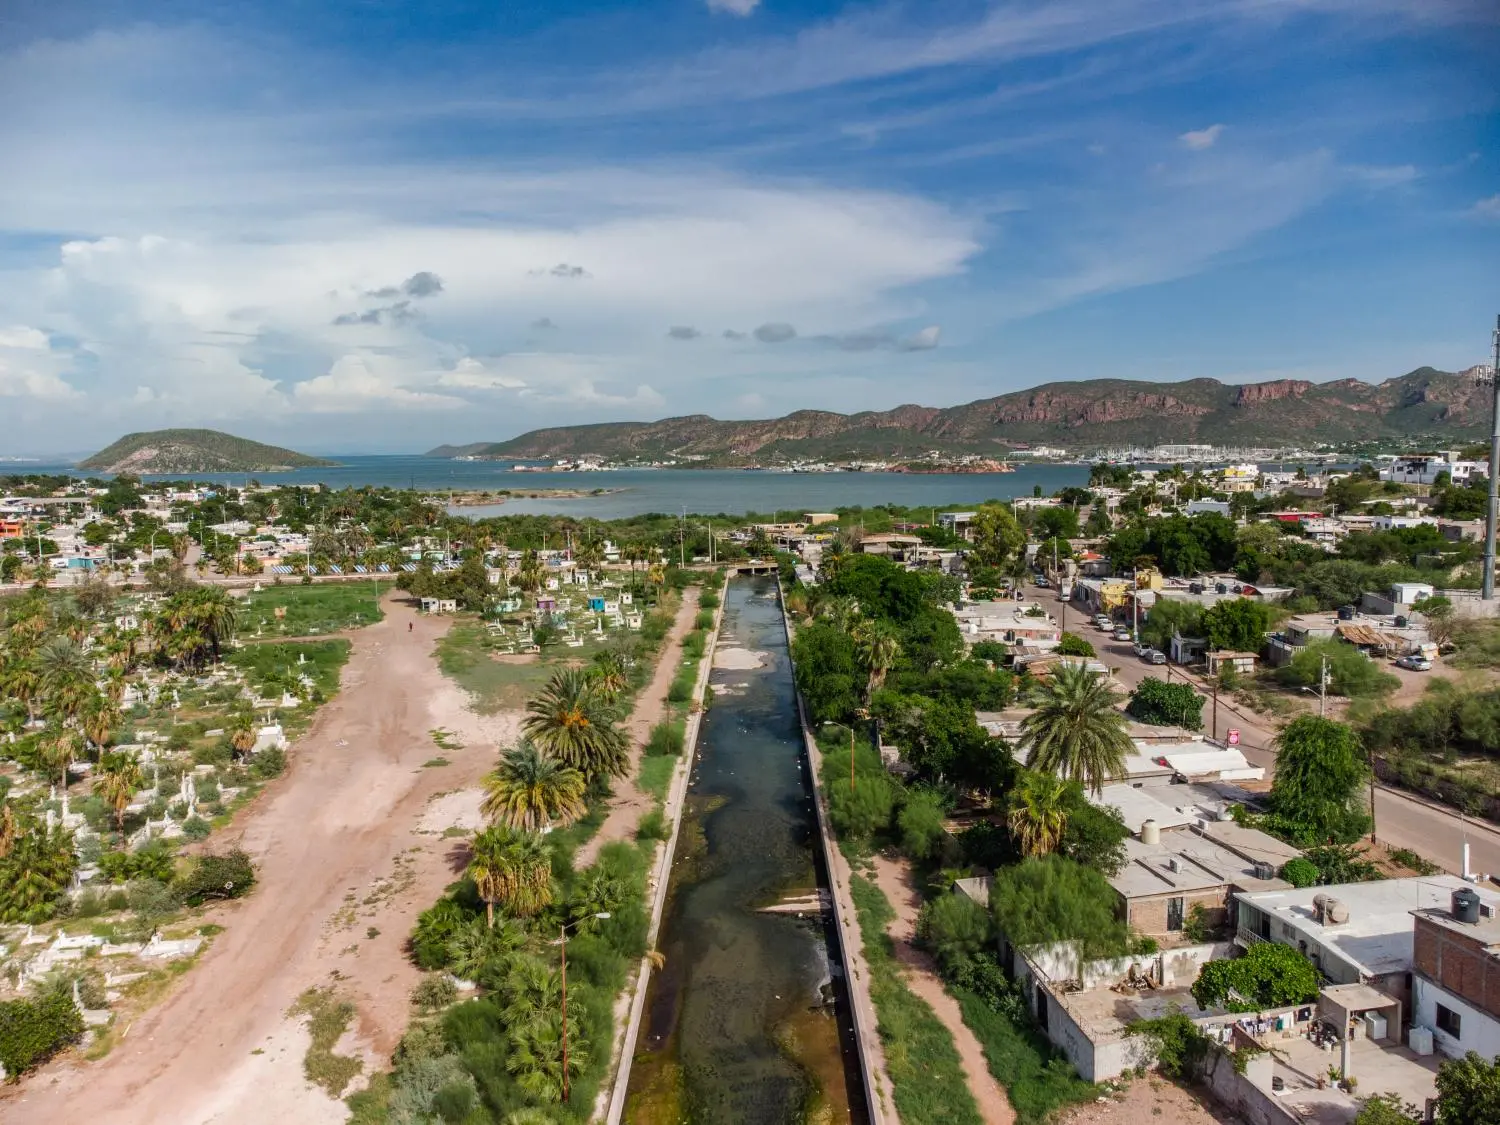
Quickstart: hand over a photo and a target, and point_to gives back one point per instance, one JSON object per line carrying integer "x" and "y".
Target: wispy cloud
{"x": 683, "y": 332}
{"x": 1488, "y": 208}
{"x": 733, "y": 7}
{"x": 1201, "y": 138}
{"x": 777, "y": 332}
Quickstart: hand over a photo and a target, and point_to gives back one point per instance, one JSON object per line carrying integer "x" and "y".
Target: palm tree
{"x": 878, "y": 645}
{"x": 61, "y": 751}
{"x": 536, "y": 1056}
{"x": 116, "y": 780}
{"x": 530, "y": 791}
{"x": 608, "y": 674}
{"x": 511, "y": 868}
{"x": 1075, "y": 731}
{"x": 1038, "y": 812}
{"x": 571, "y": 721}
{"x": 475, "y": 948}
{"x": 843, "y": 613}
{"x": 98, "y": 720}
{"x": 533, "y": 988}
{"x": 61, "y": 663}
{"x": 241, "y": 734}
{"x": 8, "y": 829}
{"x": 529, "y": 572}
{"x": 21, "y": 680}
{"x": 35, "y": 873}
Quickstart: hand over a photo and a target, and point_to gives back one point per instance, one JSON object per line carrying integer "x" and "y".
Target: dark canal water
{"x": 748, "y": 1021}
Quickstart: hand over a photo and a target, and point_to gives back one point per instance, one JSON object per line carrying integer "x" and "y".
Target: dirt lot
{"x": 1150, "y": 1099}
{"x": 343, "y": 873}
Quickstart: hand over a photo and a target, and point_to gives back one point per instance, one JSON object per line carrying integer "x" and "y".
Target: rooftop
{"x": 1201, "y": 864}
{"x": 1486, "y": 931}
{"x": 1377, "y": 938}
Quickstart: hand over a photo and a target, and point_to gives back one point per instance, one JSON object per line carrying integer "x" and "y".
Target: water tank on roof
{"x": 1400, "y": 622}
{"x": 1264, "y": 870}
{"x": 1195, "y": 587}
{"x": 1150, "y": 832}
{"x": 1220, "y": 588}
{"x": 1346, "y": 613}
{"x": 1466, "y": 906}
{"x": 1334, "y": 912}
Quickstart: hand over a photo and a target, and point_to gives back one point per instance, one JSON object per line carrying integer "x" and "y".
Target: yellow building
{"x": 1240, "y": 478}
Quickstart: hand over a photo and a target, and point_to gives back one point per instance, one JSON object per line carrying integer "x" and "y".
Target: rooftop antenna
{"x": 1492, "y": 509}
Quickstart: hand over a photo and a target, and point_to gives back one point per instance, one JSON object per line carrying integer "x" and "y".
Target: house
{"x": 1207, "y": 507}
{"x": 892, "y": 545}
{"x": 1243, "y": 663}
{"x": 1456, "y": 974}
{"x": 1355, "y": 933}
{"x": 12, "y": 528}
{"x": 1239, "y": 478}
{"x": 816, "y": 518}
{"x": 439, "y": 605}
{"x": 1423, "y": 468}
{"x": 1187, "y": 650}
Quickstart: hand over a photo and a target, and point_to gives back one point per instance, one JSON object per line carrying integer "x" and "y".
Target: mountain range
{"x": 194, "y": 451}
{"x": 1094, "y": 414}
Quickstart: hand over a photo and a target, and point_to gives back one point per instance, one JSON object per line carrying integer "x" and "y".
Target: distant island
{"x": 1090, "y": 415}
{"x": 195, "y": 451}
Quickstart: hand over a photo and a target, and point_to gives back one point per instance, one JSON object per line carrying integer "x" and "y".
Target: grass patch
{"x": 653, "y": 826}
{"x": 319, "y": 661}
{"x": 464, "y": 656}
{"x": 656, "y": 775}
{"x": 1038, "y": 1080}
{"x": 445, "y": 739}
{"x": 926, "y": 1075}
{"x": 327, "y": 1019}
{"x": 563, "y": 842}
{"x": 312, "y": 609}
{"x": 434, "y": 762}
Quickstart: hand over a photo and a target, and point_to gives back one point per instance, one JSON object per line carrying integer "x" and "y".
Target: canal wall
{"x": 877, "y": 1084}
{"x": 675, "y": 803}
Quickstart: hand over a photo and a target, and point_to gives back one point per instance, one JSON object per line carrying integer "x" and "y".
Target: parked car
{"x": 1122, "y": 634}
{"x": 1103, "y": 621}
{"x": 1140, "y": 648}
{"x": 1041, "y": 580}
{"x": 1156, "y": 656}
{"x": 1415, "y": 663}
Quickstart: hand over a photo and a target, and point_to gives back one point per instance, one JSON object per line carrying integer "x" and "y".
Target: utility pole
{"x": 1213, "y": 730}
{"x": 1492, "y": 509}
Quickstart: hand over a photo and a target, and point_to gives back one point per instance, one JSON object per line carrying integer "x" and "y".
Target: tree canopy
{"x": 1320, "y": 772}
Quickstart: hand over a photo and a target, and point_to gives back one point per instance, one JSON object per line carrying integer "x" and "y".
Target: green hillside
{"x": 195, "y": 451}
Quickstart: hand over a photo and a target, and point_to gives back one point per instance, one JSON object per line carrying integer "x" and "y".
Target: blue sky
{"x": 376, "y": 225}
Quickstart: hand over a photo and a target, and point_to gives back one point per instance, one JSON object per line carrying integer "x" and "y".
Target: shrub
{"x": 216, "y": 877}
{"x": 681, "y": 690}
{"x": 1071, "y": 644}
{"x": 268, "y": 763}
{"x": 653, "y": 826}
{"x": 436, "y": 927}
{"x": 32, "y": 1031}
{"x": 708, "y": 600}
{"x": 1181, "y": 1050}
{"x": 1300, "y": 872}
{"x": 704, "y": 620}
{"x": 955, "y": 929}
{"x": 433, "y": 993}
{"x": 667, "y": 738}
{"x": 1163, "y": 704}
{"x": 1267, "y": 976}
{"x": 921, "y": 824}
{"x": 150, "y": 899}
{"x": 196, "y": 828}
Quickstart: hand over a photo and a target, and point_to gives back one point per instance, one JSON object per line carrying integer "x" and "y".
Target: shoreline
{"x": 471, "y": 499}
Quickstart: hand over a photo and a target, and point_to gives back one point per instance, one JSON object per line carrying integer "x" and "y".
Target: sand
{"x": 343, "y": 873}
{"x": 737, "y": 659}
{"x": 1150, "y": 1099}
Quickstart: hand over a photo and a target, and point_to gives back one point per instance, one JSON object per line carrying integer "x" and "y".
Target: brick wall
{"x": 1149, "y": 915}
{"x": 1458, "y": 963}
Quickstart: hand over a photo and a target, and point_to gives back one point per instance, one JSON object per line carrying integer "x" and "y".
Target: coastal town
{"x": 1224, "y": 635}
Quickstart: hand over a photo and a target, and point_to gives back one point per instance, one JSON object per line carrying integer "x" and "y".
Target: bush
{"x": 708, "y": 600}
{"x": 433, "y": 993}
{"x": 653, "y": 826}
{"x": 1168, "y": 705}
{"x": 704, "y": 620}
{"x": 32, "y": 1031}
{"x": 268, "y": 763}
{"x": 667, "y": 738}
{"x": 1071, "y": 644}
{"x": 955, "y": 929}
{"x": 1182, "y": 1051}
{"x": 1267, "y": 976}
{"x": 216, "y": 877}
{"x": 151, "y": 900}
{"x": 196, "y": 828}
{"x": 921, "y": 822}
{"x": 1300, "y": 872}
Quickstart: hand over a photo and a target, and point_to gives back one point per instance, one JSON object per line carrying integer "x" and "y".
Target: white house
{"x": 1456, "y": 974}
{"x": 1423, "y": 468}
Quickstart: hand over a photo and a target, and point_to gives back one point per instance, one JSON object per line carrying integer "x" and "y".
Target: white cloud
{"x": 733, "y": 7}
{"x": 356, "y": 384}
{"x": 29, "y": 368}
{"x": 1487, "y": 208}
{"x": 1201, "y": 138}
{"x": 472, "y": 374}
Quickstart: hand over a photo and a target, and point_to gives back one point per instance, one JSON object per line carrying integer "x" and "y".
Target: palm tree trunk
{"x": 489, "y": 912}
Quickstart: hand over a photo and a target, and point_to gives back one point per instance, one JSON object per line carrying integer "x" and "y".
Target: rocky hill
{"x": 194, "y": 451}
{"x": 1082, "y": 416}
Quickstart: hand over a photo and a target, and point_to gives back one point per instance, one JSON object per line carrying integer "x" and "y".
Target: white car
{"x": 1122, "y": 634}
{"x": 1415, "y": 663}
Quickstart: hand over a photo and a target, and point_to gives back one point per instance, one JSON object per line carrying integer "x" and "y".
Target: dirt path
{"x": 894, "y": 879}
{"x": 343, "y": 872}
{"x": 629, "y": 804}
{"x": 1149, "y": 1098}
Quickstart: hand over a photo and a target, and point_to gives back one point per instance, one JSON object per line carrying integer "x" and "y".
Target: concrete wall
{"x": 1478, "y": 1031}
{"x": 1254, "y": 1105}
{"x": 1149, "y": 915}
{"x": 1461, "y": 965}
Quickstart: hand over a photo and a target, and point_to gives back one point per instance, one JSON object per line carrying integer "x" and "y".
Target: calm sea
{"x": 637, "y": 491}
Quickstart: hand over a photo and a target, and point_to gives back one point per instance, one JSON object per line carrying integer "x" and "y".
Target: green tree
{"x": 530, "y": 791}
{"x": 827, "y": 672}
{"x": 571, "y": 722}
{"x": 1237, "y": 624}
{"x": 1387, "y": 1109}
{"x": 1094, "y": 835}
{"x": 955, "y": 929}
{"x": 116, "y": 779}
{"x": 1269, "y": 975}
{"x": 922, "y": 822}
{"x": 1038, "y": 814}
{"x": 512, "y": 869}
{"x": 1350, "y": 672}
{"x": 1468, "y": 1090}
{"x": 1169, "y": 617}
{"x": 35, "y": 873}
{"x": 1071, "y": 644}
{"x": 1075, "y": 730}
{"x": 1165, "y": 705}
{"x": 878, "y": 644}
{"x": 997, "y": 538}
{"x": 1320, "y": 772}
{"x": 1052, "y": 899}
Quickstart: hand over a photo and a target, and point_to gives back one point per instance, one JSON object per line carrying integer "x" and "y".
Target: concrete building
{"x": 1456, "y": 974}
{"x": 1355, "y": 933}
{"x": 1423, "y": 468}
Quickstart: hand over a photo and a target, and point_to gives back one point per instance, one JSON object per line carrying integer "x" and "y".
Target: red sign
{"x": 1234, "y": 736}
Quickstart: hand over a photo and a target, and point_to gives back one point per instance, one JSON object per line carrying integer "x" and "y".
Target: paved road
{"x": 1401, "y": 820}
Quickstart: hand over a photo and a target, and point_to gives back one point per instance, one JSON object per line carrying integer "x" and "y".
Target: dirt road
{"x": 342, "y": 876}
{"x": 894, "y": 879}
{"x": 629, "y": 804}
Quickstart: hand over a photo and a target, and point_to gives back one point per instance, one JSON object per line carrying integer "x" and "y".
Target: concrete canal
{"x": 748, "y": 1020}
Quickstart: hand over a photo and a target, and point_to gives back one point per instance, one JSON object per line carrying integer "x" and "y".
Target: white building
{"x": 1423, "y": 468}
{"x": 1456, "y": 974}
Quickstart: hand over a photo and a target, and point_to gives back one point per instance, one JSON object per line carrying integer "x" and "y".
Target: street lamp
{"x": 1492, "y": 508}
{"x": 562, "y": 944}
